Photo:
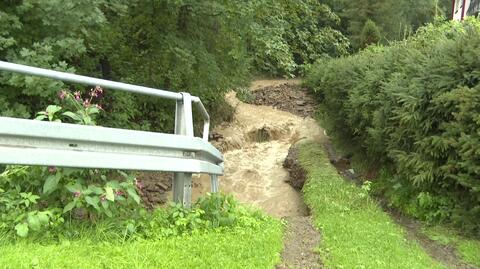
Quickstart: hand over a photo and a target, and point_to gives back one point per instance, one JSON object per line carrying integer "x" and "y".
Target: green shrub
{"x": 413, "y": 108}
{"x": 213, "y": 211}
{"x": 285, "y": 35}
{"x": 38, "y": 199}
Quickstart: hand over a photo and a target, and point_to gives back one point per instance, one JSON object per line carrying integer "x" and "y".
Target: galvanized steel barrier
{"x": 30, "y": 142}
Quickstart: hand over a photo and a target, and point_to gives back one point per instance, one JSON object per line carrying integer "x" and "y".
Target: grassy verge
{"x": 257, "y": 247}
{"x": 356, "y": 233}
{"x": 467, "y": 249}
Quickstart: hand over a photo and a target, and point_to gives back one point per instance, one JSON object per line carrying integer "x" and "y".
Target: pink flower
{"x": 62, "y": 94}
{"x": 99, "y": 91}
{"x": 77, "y": 95}
{"x": 103, "y": 198}
{"x": 93, "y": 93}
{"x": 86, "y": 103}
{"x": 52, "y": 169}
{"x": 119, "y": 193}
{"x": 77, "y": 194}
{"x": 99, "y": 107}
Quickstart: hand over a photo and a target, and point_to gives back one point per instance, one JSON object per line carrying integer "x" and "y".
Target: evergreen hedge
{"x": 413, "y": 108}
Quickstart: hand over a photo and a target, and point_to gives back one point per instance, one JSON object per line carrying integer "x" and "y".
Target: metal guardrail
{"x": 30, "y": 142}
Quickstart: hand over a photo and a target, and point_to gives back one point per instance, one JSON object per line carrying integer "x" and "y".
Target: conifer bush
{"x": 413, "y": 108}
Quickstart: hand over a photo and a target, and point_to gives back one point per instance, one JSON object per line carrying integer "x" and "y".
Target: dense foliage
{"x": 204, "y": 48}
{"x": 285, "y": 35}
{"x": 176, "y": 45}
{"x": 395, "y": 19}
{"x": 413, "y": 108}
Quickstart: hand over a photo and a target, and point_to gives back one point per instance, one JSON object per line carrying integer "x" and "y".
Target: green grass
{"x": 467, "y": 249}
{"x": 235, "y": 248}
{"x": 356, "y": 233}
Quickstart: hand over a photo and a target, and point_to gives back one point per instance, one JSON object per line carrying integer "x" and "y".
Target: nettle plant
{"x": 34, "y": 199}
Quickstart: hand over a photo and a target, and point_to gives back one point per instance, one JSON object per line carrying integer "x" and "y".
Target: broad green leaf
{"x": 51, "y": 183}
{"x": 109, "y": 194}
{"x": 132, "y": 193}
{"x": 41, "y": 117}
{"x": 69, "y": 206}
{"x": 87, "y": 120}
{"x": 114, "y": 184}
{"x": 22, "y": 229}
{"x": 93, "y": 201}
{"x": 51, "y": 110}
{"x": 74, "y": 188}
{"x": 92, "y": 110}
{"x": 104, "y": 204}
{"x": 109, "y": 213}
{"x": 33, "y": 222}
{"x": 43, "y": 217}
{"x": 95, "y": 189}
{"x": 72, "y": 115}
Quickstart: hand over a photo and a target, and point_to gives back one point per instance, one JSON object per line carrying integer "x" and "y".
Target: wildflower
{"x": 99, "y": 106}
{"x": 93, "y": 93}
{"x": 52, "y": 169}
{"x": 77, "y": 95}
{"x": 99, "y": 91}
{"x": 86, "y": 103}
{"x": 119, "y": 193}
{"x": 103, "y": 198}
{"x": 77, "y": 194}
{"x": 62, "y": 94}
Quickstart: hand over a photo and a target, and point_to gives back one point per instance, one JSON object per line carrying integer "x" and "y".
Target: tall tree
{"x": 370, "y": 34}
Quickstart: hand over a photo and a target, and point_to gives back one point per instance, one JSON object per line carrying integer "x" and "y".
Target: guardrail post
{"x": 214, "y": 183}
{"x": 182, "y": 182}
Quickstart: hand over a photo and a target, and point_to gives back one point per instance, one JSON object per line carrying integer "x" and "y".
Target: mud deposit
{"x": 298, "y": 175}
{"x": 288, "y": 97}
{"x": 255, "y": 146}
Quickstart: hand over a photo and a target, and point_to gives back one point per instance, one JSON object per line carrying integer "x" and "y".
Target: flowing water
{"x": 255, "y": 145}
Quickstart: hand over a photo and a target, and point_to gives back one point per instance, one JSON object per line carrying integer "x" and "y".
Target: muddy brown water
{"x": 255, "y": 145}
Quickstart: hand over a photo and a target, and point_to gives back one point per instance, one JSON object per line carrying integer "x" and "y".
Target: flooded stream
{"x": 255, "y": 145}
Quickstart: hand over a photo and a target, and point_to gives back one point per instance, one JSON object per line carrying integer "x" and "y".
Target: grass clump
{"x": 356, "y": 233}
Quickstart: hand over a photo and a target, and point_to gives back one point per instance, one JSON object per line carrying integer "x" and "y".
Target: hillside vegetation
{"x": 204, "y": 48}
{"x": 412, "y": 111}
